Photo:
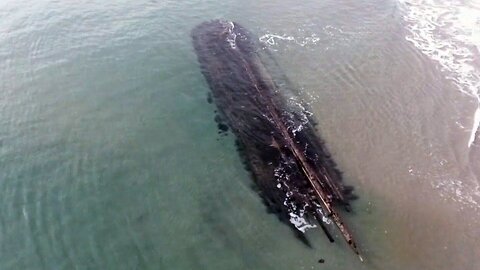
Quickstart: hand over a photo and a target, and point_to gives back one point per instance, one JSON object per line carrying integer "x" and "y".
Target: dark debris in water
{"x": 209, "y": 98}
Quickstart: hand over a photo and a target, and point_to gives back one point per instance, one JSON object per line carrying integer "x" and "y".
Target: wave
{"x": 449, "y": 33}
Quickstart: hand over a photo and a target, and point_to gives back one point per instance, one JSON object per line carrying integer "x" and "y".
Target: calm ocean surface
{"x": 110, "y": 157}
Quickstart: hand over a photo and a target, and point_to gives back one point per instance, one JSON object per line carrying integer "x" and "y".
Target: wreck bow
{"x": 294, "y": 172}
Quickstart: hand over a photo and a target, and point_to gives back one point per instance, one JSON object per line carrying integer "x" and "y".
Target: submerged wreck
{"x": 293, "y": 170}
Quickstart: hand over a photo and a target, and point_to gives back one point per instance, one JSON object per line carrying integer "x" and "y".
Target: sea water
{"x": 110, "y": 157}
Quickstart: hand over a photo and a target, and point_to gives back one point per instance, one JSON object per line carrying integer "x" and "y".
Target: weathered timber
{"x": 291, "y": 166}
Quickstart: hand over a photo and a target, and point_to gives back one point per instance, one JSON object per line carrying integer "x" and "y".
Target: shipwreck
{"x": 296, "y": 176}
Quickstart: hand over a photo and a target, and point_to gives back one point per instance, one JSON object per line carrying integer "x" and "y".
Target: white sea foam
{"x": 300, "y": 222}
{"x": 297, "y": 213}
{"x": 449, "y": 32}
{"x": 272, "y": 40}
{"x": 232, "y": 36}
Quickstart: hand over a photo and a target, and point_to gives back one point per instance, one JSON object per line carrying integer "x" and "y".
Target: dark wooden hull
{"x": 295, "y": 174}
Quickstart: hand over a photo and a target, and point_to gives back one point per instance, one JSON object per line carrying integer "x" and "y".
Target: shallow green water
{"x": 110, "y": 158}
